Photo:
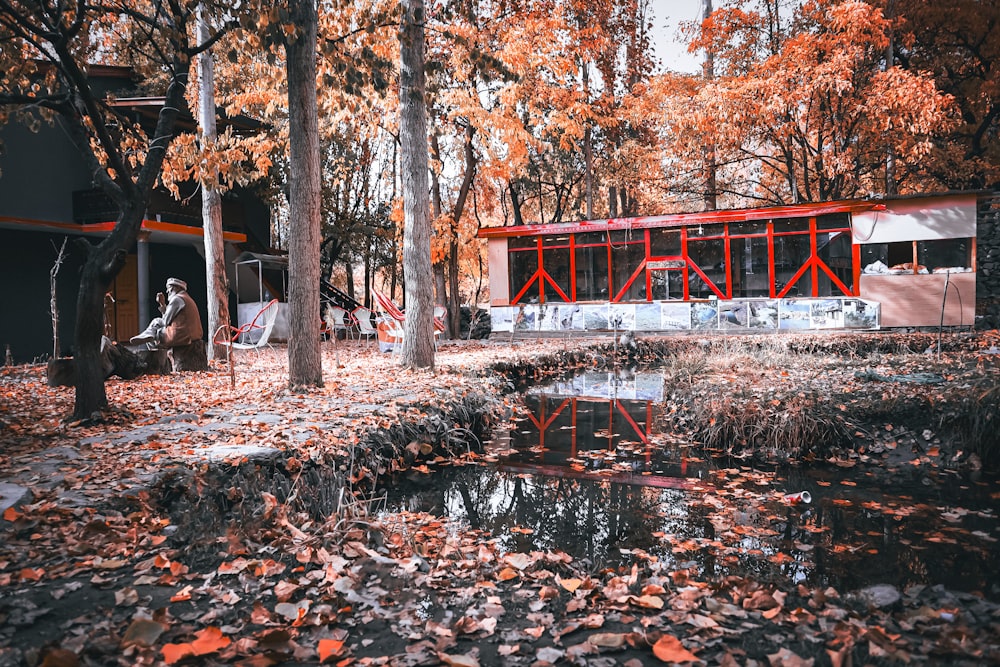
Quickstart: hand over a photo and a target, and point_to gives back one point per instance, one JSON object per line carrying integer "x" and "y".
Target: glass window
{"x": 748, "y": 259}
{"x": 743, "y": 228}
{"x": 874, "y": 258}
{"x": 789, "y": 225}
{"x": 945, "y": 254}
{"x": 900, "y": 255}
{"x": 710, "y": 257}
{"x": 555, "y": 261}
{"x": 700, "y": 231}
{"x": 592, "y": 274}
{"x": 625, "y": 261}
{"x": 628, "y": 236}
{"x": 833, "y": 221}
{"x": 666, "y": 285}
{"x": 790, "y": 253}
{"x": 515, "y": 242}
{"x": 555, "y": 241}
{"x": 590, "y": 238}
{"x": 664, "y": 243}
{"x": 834, "y": 250}
{"x": 523, "y": 266}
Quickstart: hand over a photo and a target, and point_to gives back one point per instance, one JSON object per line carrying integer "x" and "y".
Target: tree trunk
{"x": 515, "y": 205}
{"x": 102, "y": 264}
{"x": 711, "y": 201}
{"x": 217, "y": 297}
{"x": 418, "y": 338}
{"x": 454, "y": 302}
{"x": 440, "y": 288}
{"x": 440, "y": 283}
{"x": 304, "y": 360}
{"x": 588, "y": 149}
{"x": 471, "y": 163}
{"x": 105, "y": 260}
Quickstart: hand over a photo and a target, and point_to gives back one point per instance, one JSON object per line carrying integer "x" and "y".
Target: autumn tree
{"x": 802, "y": 106}
{"x": 217, "y": 301}
{"x": 45, "y": 49}
{"x": 958, "y": 43}
{"x": 290, "y": 29}
{"x": 305, "y": 365}
{"x": 418, "y": 339}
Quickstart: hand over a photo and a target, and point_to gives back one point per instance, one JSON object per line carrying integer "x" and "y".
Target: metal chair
{"x": 253, "y": 335}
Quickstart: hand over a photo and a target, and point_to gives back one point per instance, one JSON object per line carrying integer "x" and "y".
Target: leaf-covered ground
{"x": 204, "y": 524}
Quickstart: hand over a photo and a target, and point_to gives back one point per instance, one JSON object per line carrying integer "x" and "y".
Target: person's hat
{"x": 178, "y": 283}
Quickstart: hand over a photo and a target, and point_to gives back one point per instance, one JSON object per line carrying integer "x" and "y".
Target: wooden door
{"x": 125, "y": 291}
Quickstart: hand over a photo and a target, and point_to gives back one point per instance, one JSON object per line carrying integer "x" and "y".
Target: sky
{"x": 667, "y": 16}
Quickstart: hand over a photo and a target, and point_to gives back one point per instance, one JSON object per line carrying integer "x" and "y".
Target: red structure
{"x": 813, "y": 265}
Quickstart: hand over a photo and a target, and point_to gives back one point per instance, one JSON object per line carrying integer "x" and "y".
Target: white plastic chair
{"x": 440, "y": 322}
{"x": 363, "y": 318}
{"x": 338, "y": 319}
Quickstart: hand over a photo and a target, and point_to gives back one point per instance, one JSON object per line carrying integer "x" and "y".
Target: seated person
{"x": 179, "y": 323}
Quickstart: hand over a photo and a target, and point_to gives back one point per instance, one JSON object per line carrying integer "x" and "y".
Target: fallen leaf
{"x": 464, "y": 660}
{"x": 174, "y": 653}
{"x": 518, "y": 560}
{"x": 785, "y": 658}
{"x": 32, "y": 574}
{"x": 60, "y": 657}
{"x": 648, "y": 601}
{"x": 182, "y": 595}
{"x": 607, "y": 639}
{"x": 330, "y": 648}
{"x": 127, "y": 597}
{"x": 569, "y": 584}
{"x": 209, "y": 640}
{"x": 670, "y": 649}
{"x": 143, "y": 632}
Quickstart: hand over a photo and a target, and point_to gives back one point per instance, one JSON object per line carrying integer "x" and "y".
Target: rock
{"x": 881, "y": 596}
{"x": 12, "y": 495}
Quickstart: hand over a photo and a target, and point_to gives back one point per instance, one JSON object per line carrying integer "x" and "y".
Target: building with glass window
{"x": 860, "y": 264}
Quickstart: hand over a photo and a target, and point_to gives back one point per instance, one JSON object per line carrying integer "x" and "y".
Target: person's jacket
{"x": 184, "y": 325}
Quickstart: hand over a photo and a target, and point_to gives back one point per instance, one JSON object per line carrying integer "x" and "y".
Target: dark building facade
{"x": 47, "y": 196}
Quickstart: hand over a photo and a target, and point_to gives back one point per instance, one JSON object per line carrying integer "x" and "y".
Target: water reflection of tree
{"x": 586, "y": 519}
{"x": 876, "y": 537}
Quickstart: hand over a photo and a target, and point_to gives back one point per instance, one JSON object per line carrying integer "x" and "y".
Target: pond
{"x": 584, "y": 468}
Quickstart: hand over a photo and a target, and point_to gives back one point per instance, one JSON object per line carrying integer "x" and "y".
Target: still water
{"x": 584, "y": 469}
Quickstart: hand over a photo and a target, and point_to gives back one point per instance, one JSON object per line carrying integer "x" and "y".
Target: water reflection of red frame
{"x": 547, "y": 424}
